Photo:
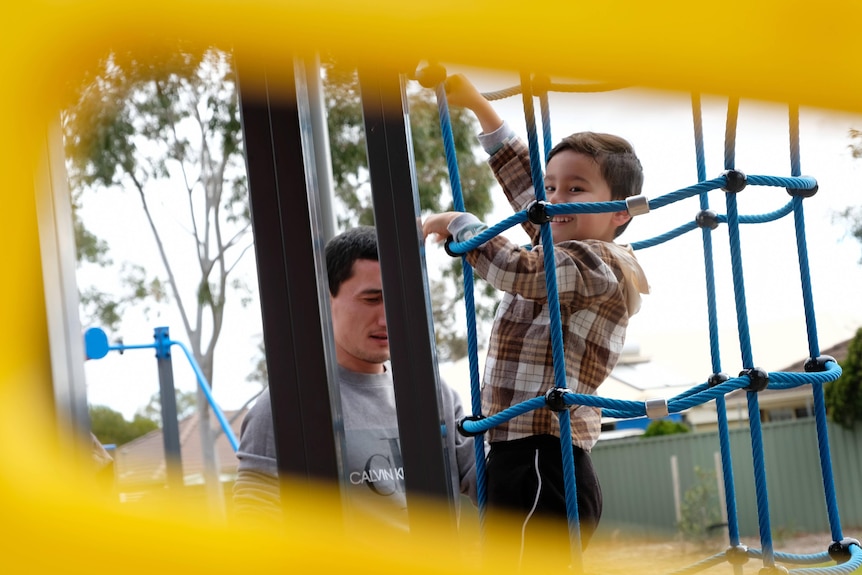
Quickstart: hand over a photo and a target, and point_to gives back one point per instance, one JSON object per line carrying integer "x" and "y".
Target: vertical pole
{"x": 677, "y": 495}
{"x": 320, "y": 143}
{"x": 57, "y": 250}
{"x": 168, "y": 401}
{"x": 294, "y": 293}
{"x": 719, "y": 480}
{"x": 406, "y": 297}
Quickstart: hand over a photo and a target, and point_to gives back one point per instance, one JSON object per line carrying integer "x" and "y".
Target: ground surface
{"x": 660, "y": 557}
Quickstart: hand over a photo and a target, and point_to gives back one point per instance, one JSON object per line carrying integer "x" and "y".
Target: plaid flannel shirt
{"x": 592, "y": 293}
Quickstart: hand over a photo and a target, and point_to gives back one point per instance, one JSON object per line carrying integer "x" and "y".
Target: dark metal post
{"x": 411, "y": 337}
{"x": 168, "y": 401}
{"x": 289, "y": 242}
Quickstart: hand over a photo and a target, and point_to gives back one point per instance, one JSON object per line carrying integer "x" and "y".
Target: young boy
{"x": 599, "y": 285}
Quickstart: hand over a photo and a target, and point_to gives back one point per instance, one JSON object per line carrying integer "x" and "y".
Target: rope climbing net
{"x": 819, "y": 369}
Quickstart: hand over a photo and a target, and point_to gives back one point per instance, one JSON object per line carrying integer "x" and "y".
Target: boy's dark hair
{"x": 358, "y": 243}
{"x": 616, "y": 157}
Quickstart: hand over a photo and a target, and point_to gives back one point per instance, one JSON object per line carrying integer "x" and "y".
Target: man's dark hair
{"x": 358, "y": 243}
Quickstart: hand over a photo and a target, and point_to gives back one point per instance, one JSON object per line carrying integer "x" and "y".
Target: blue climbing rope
{"x": 472, "y": 347}
{"x": 819, "y": 370}
{"x": 556, "y": 326}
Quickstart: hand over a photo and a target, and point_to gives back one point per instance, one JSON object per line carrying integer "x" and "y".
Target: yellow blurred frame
{"x": 51, "y": 521}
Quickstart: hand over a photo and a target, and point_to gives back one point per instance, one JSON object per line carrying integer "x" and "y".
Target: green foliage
{"x": 352, "y": 188}
{"x": 171, "y": 121}
{"x": 844, "y": 395}
{"x": 101, "y": 307}
{"x": 165, "y": 124}
{"x": 350, "y": 163}
{"x": 122, "y": 99}
{"x": 664, "y": 427}
{"x": 856, "y": 146}
{"x": 699, "y": 508}
{"x": 259, "y": 374}
{"x": 186, "y": 404}
{"x": 110, "y": 426}
{"x": 88, "y": 247}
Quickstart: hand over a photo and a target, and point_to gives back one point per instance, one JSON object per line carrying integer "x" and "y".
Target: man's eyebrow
{"x": 371, "y": 291}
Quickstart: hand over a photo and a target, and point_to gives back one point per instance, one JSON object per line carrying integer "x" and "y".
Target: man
{"x": 375, "y": 475}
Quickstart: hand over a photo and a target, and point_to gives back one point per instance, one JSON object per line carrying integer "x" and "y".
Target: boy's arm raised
{"x": 511, "y": 166}
{"x": 461, "y": 92}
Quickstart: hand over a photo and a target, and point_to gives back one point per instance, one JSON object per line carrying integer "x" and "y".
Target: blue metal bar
{"x": 202, "y": 381}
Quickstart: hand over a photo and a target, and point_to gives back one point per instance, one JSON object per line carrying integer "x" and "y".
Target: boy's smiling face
{"x": 574, "y": 177}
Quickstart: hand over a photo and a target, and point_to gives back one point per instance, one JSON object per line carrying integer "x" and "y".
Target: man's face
{"x": 359, "y": 321}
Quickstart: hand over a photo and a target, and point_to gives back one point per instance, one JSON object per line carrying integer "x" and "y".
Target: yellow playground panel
{"x": 52, "y": 520}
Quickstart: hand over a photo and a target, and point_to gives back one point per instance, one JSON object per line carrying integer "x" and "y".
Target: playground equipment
{"x": 845, "y": 551}
{"x": 97, "y": 346}
{"x": 47, "y": 46}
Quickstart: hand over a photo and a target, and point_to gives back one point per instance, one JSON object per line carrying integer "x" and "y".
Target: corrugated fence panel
{"x": 638, "y": 484}
{"x": 847, "y": 468}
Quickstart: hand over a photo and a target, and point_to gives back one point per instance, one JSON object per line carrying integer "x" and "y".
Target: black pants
{"x": 525, "y": 479}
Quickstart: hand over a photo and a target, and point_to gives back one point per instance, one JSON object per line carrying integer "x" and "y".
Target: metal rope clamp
{"x": 656, "y": 408}
{"x": 637, "y": 205}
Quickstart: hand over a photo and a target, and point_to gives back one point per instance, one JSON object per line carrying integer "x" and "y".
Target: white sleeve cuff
{"x": 493, "y": 141}
{"x": 465, "y": 226}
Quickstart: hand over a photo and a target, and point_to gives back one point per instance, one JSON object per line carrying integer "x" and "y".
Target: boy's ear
{"x": 621, "y": 217}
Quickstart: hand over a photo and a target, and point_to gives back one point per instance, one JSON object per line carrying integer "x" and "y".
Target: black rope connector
{"x": 717, "y": 379}
{"x": 555, "y": 398}
{"x": 737, "y": 554}
{"x": 706, "y": 219}
{"x": 817, "y": 364}
{"x": 759, "y": 379}
{"x": 803, "y": 192}
{"x": 466, "y": 433}
{"x": 735, "y": 181}
{"x": 541, "y": 83}
{"x": 431, "y": 75}
{"x": 839, "y": 551}
{"x": 537, "y": 213}
{"x": 447, "y": 247}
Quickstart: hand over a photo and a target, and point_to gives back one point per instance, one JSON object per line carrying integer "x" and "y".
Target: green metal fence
{"x": 644, "y": 480}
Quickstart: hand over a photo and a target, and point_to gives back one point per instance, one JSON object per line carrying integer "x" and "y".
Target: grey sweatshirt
{"x": 374, "y": 474}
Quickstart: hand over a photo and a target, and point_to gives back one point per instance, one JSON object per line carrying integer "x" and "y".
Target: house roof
{"x": 142, "y": 461}
{"x": 838, "y": 351}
